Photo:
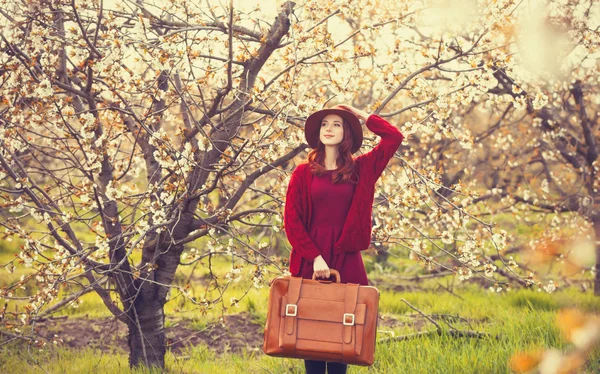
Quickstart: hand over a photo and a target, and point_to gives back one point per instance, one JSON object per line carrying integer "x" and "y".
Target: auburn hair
{"x": 346, "y": 171}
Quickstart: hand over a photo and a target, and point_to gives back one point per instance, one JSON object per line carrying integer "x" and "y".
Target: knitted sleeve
{"x": 292, "y": 221}
{"x": 391, "y": 138}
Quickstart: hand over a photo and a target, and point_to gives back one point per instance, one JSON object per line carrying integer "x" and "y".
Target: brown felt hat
{"x": 312, "y": 127}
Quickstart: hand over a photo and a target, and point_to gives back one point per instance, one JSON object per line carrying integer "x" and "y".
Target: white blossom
{"x": 44, "y": 89}
{"x": 550, "y": 287}
{"x": 113, "y": 193}
{"x": 447, "y": 237}
{"x": 500, "y": 239}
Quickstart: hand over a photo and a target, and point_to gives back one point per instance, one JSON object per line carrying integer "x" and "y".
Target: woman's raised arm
{"x": 377, "y": 159}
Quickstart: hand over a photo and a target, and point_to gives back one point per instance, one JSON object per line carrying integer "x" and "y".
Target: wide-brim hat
{"x": 312, "y": 127}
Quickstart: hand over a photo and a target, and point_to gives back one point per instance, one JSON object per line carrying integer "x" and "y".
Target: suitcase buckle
{"x": 291, "y": 310}
{"x": 348, "y": 319}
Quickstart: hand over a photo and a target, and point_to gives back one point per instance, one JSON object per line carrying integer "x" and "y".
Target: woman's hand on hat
{"x": 361, "y": 114}
{"x": 320, "y": 268}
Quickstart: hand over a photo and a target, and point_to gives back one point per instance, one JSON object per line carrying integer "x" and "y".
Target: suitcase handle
{"x": 333, "y": 272}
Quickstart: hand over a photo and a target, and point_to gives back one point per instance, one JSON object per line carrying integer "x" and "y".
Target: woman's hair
{"x": 346, "y": 170}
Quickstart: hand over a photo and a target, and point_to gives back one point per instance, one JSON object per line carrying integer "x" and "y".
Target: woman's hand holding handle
{"x": 320, "y": 268}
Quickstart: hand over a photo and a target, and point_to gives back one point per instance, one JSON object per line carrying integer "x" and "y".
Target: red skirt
{"x": 349, "y": 265}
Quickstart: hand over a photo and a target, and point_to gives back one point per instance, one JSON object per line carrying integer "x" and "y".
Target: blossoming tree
{"x": 150, "y": 125}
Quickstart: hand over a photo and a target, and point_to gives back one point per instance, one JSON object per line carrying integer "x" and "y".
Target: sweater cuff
{"x": 312, "y": 253}
{"x": 384, "y": 129}
{"x": 338, "y": 249}
{"x": 372, "y": 117}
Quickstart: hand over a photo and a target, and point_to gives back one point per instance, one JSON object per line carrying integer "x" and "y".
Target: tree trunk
{"x": 382, "y": 254}
{"x": 147, "y": 315}
{"x": 596, "y": 224}
{"x": 146, "y": 333}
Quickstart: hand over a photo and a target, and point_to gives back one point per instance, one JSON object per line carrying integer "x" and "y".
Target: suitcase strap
{"x": 291, "y": 311}
{"x": 349, "y": 335}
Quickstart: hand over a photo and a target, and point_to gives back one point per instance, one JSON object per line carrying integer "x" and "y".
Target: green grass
{"x": 521, "y": 319}
{"x": 518, "y": 320}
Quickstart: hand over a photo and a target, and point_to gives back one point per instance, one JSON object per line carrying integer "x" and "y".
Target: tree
{"x": 75, "y": 143}
{"x": 549, "y": 161}
{"x": 154, "y": 126}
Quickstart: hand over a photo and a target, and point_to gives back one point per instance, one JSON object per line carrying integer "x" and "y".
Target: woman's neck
{"x": 331, "y": 155}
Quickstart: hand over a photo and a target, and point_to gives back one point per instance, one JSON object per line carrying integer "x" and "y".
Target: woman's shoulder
{"x": 300, "y": 170}
{"x": 361, "y": 168}
{"x": 358, "y": 162}
{"x": 301, "y": 167}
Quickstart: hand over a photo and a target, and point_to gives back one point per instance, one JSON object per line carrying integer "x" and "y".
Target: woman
{"x": 327, "y": 216}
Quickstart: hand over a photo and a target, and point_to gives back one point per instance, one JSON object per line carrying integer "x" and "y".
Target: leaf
{"x": 570, "y": 320}
{"x": 581, "y": 329}
{"x": 522, "y": 362}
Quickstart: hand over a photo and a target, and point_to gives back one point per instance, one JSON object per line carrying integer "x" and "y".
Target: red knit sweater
{"x": 356, "y": 233}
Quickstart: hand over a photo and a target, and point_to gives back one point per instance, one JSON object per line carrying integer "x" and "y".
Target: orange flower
{"x": 581, "y": 329}
{"x": 522, "y": 362}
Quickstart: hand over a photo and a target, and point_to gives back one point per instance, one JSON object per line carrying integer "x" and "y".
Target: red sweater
{"x": 356, "y": 234}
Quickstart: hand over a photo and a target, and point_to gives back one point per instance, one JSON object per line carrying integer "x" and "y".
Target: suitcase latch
{"x": 291, "y": 310}
{"x": 348, "y": 319}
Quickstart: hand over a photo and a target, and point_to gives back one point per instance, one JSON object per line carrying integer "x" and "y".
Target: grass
{"x": 518, "y": 320}
{"x": 522, "y": 320}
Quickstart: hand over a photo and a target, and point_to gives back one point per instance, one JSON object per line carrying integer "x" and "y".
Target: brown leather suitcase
{"x": 326, "y": 321}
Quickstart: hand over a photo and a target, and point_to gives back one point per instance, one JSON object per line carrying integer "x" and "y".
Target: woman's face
{"x": 332, "y": 130}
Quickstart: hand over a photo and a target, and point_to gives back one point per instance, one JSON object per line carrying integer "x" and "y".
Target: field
{"x": 230, "y": 341}
{"x": 228, "y": 337}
